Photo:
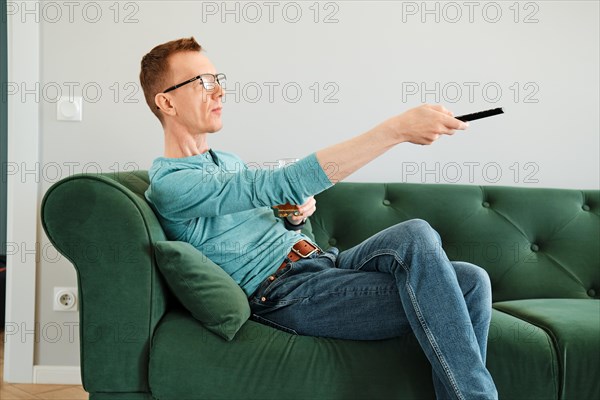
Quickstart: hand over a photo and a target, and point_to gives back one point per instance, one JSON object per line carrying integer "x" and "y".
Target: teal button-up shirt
{"x": 220, "y": 206}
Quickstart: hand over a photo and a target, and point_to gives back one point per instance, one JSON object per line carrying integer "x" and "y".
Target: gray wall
{"x": 358, "y": 64}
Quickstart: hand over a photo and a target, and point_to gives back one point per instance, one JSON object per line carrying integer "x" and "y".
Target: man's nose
{"x": 219, "y": 91}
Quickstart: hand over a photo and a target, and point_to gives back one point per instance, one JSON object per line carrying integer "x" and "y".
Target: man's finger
{"x": 442, "y": 109}
{"x": 453, "y": 123}
{"x": 311, "y": 200}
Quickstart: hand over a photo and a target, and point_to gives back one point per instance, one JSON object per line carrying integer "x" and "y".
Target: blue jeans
{"x": 396, "y": 282}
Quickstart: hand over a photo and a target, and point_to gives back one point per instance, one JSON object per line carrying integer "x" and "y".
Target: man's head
{"x": 190, "y": 106}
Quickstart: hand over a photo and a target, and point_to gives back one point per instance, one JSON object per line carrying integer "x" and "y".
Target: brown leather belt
{"x": 301, "y": 249}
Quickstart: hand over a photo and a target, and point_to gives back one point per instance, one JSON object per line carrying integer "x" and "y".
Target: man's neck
{"x": 179, "y": 144}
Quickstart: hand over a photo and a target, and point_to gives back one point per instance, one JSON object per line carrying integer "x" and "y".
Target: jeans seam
{"x": 378, "y": 253}
{"x": 277, "y": 281}
{"x": 430, "y": 337}
{"x": 417, "y": 310}
{"x": 354, "y": 292}
{"x": 265, "y": 321}
{"x": 258, "y": 306}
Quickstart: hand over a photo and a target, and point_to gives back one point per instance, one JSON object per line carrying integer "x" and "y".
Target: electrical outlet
{"x": 65, "y": 299}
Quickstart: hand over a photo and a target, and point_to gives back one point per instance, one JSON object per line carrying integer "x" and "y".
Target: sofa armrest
{"x": 106, "y": 229}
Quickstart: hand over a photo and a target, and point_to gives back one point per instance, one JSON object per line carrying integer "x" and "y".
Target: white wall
{"x": 367, "y": 60}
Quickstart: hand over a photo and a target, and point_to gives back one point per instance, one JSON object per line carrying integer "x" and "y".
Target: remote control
{"x": 480, "y": 114}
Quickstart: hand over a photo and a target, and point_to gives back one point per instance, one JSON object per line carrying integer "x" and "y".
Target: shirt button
{"x": 271, "y": 278}
{"x": 263, "y": 299}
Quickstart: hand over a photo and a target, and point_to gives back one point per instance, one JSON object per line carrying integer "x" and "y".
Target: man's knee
{"x": 486, "y": 285}
{"x": 483, "y": 278}
{"x": 416, "y": 224}
{"x": 482, "y": 281}
{"x": 417, "y": 228}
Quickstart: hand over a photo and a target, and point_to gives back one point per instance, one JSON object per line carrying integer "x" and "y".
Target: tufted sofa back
{"x": 534, "y": 243}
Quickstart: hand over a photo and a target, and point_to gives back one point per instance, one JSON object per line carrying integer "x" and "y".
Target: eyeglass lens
{"x": 208, "y": 81}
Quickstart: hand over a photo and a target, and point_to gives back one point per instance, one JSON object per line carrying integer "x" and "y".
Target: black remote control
{"x": 480, "y": 114}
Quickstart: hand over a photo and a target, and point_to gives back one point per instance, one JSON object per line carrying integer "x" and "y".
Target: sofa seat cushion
{"x": 187, "y": 361}
{"x": 521, "y": 359}
{"x": 574, "y": 327}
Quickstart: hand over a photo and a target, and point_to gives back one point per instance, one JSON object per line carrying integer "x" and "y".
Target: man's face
{"x": 197, "y": 109}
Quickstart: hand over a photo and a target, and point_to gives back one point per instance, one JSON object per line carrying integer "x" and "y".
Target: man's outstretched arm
{"x": 419, "y": 125}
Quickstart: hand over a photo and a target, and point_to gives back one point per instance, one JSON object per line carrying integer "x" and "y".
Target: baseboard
{"x": 56, "y": 374}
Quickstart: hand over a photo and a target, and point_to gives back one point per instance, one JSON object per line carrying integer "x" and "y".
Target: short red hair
{"x": 155, "y": 68}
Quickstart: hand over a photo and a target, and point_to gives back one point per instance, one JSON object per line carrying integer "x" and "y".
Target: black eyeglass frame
{"x": 217, "y": 78}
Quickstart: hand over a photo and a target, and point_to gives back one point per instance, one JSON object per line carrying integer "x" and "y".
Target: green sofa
{"x": 539, "y": 246}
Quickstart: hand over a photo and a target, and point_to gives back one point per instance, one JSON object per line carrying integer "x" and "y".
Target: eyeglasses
{"x": 207, "y": 80}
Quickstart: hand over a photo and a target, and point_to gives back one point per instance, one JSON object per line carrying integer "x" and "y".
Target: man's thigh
{"x": 315, "y": 298}
{"x": 394, "y": 246}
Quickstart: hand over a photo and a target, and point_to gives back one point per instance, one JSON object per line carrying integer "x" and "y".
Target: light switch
{"x": 69, "y": 109}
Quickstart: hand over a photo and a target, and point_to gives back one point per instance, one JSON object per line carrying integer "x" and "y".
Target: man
{"x": 395, "y": 282}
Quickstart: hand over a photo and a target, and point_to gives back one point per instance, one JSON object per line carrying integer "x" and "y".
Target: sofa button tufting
{"x": 386, "y": 202}
{"x": 585, "y": 207}
{"x": 485, "y": 204}
{"x": 534, "y": 247}
{"x": 591, "y": 292}
{"x": 332, "y": 241}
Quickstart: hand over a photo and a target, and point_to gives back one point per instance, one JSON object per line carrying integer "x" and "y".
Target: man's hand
{"x": 423, "y": 124}
{"x": 306, "y": 210}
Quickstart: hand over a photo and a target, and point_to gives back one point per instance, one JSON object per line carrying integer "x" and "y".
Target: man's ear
{"x": 164, "y": 104}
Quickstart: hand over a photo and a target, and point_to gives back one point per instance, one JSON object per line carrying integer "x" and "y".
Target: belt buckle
{"x": 305, "y": 256}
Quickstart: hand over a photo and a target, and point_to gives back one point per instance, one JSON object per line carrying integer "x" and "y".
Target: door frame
{"x": 23, "y": 197}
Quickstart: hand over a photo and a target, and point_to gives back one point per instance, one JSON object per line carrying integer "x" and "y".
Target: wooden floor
{"x": 12, "y": 391}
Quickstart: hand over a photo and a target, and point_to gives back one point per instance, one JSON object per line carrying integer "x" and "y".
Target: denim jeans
{"x": 396, "y": 282}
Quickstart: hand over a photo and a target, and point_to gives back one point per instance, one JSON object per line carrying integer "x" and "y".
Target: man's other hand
{"x": 306, "y": 210}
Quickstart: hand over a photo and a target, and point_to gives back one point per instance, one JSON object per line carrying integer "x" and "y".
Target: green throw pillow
{"x": 207, "y": 291}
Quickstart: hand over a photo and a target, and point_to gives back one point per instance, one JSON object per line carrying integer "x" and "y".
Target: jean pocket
{"x": 279, "y": 276}
{"x": 272, "y": 324}
{"x": 331, "y": 254}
